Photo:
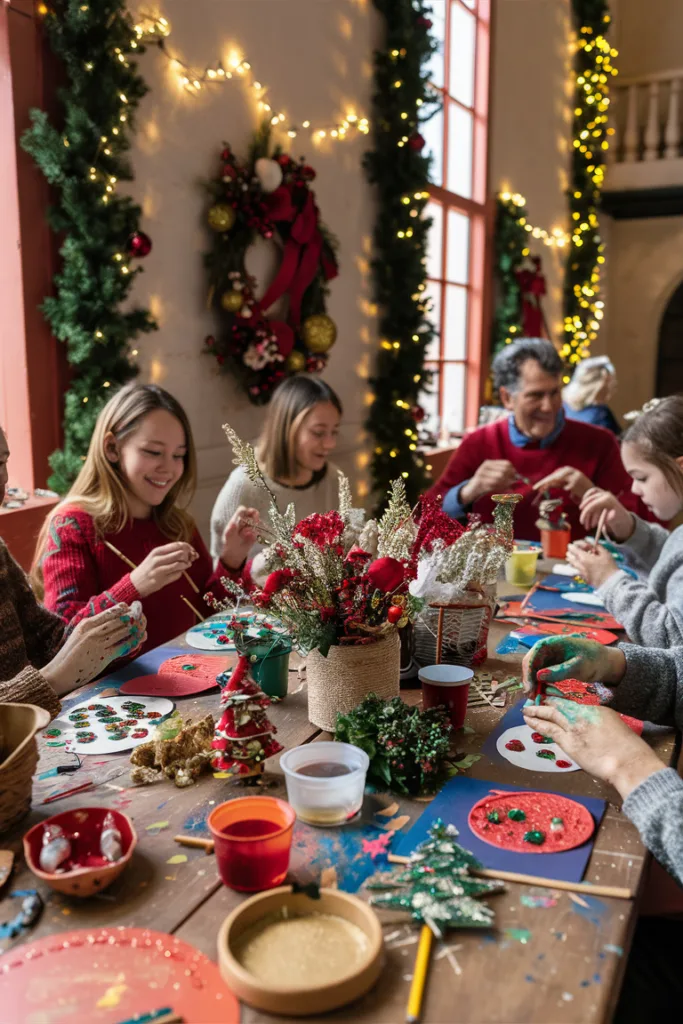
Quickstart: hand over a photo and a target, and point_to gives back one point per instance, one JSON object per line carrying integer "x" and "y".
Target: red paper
{"x": 593, "y": 619}
{"x": 180, "y": 676}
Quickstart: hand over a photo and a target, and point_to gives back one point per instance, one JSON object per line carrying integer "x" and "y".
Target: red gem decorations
{"x": 515, "y": 745}
{"x": 497, "y": 821}
{"x": 139, "y": 245}
{"x": 269, "y": 197}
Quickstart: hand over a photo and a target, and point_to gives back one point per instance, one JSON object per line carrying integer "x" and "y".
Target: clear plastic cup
{"x": 520, "y": 568}
{"x": 328, "y": 799}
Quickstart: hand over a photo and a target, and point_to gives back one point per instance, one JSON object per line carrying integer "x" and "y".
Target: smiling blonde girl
{"x": 132, "y": 495}
{"x": 650, "y": 608}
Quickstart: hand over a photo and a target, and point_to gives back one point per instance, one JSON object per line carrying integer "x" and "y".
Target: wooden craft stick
{"x": 547, "y": 883}
{"x": 132, "y": 565}
{"x": 528, "y": 596}
{"x": 601, "y": 527}
{"x": 439, "y": 637}
{"x": 195, "y": 842}
{"x": 192, "y": 608}
{"x": 419, "y": 975}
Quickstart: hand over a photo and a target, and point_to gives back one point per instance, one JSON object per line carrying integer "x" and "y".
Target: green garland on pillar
{"x": 510, "y": 243}
{"x": 84, "y": 158}
{"x": 593, "y": 68}
{"x": 400, "y": 171}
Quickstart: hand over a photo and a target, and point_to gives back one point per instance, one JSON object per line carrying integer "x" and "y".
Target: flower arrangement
{"x": 339, "y": 578}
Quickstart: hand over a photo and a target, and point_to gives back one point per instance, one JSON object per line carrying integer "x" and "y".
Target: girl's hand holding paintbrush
{"x": 593, "y": 563}
{"x": 559, "y": 657}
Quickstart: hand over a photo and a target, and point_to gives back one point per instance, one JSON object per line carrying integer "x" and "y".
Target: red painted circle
{"x": 540, "y": 809}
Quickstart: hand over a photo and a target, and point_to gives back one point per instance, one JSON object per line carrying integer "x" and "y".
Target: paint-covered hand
{"x": 595, "y": 567}
{"x": 567, "y": 479}
{"x": 597, "y": 739}
{"x": 240, "y": 535}
{"x": 619, "y": 521}
{"x": 163, "y": 565}
{"x": 93, "y": 644}
{"x": 568, "y": 657}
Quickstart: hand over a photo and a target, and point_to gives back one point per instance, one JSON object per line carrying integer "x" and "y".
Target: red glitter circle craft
{"x": 540, "y": 809}
{"x": 515, "y": 745}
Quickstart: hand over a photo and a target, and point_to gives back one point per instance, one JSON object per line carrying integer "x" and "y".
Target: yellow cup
{"x": 520, "y": 568}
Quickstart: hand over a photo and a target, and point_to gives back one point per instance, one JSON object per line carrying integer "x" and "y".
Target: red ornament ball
{"x": 424, "y": 22}
{"x": 386, "y": 574}
{"x": 139, "y": 245}
{"x": 418, "y": 413}
{"x": 416, "y": 142}
{"x": 394, "y": 614}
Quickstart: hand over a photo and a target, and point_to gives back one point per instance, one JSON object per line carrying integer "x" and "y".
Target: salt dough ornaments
{"x": 106, "y": 725}
{"x": 531, "y": 822}
{"x": 181, "y": 676}
{"x": 244, "y": 736}
{"x": 522, "y": 747}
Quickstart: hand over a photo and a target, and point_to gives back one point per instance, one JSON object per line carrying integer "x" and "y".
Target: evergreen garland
{"x": 84, "y": 158}
{"x": 593, "y": 68}
{"x": 510, "y": 249}
{"x": 400, "y": 171}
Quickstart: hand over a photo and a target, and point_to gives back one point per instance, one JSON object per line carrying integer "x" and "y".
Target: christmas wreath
{"x": 268, "y": 196}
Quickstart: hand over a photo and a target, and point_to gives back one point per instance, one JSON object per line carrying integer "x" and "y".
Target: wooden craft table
{"x": 558, "y": 963}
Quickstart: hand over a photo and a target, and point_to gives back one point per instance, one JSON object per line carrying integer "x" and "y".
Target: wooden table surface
{"x": 556, "y": 963}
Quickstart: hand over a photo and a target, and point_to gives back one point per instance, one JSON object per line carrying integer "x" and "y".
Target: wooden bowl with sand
{"x": 286, "y": 953}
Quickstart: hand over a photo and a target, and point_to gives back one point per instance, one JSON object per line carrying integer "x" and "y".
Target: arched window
{"x": 457, "y": 138}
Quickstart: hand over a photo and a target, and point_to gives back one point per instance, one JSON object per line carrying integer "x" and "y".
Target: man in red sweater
{"x": 533, "y": 449}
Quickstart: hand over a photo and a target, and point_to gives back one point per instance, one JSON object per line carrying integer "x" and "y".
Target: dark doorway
{"x": 670, "y": 352}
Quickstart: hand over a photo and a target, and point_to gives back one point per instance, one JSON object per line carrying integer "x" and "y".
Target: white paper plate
{"x": 527, "y": 758}
{"x": 562, "y": 569}
{"x": 102, "y": 744}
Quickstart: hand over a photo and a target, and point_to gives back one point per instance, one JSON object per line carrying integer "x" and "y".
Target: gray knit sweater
{"x": 650, "y": 608}
{"x": 652, "y": 690}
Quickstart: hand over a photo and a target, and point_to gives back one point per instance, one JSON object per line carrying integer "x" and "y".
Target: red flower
{"x": 323, "y": 530}
{"x": 277, "y": 580}
{"x": 386, "y": 574}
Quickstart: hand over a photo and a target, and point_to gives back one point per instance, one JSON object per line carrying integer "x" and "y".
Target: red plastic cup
{"x": 555, "y": 543}
{"x": 446, "y": 686}
{"x": 252, "y": 840}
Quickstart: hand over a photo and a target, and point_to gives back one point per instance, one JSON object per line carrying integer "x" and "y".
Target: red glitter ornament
{"x": 416, "y": 142}
{"x": 540, "y": 809}
{"x": 515, "y": 745}
{"x": 139, "y": 245}
{"x": 563, "y": 764}
{"x": 423, "y": 22}
{"x": 395, "y": 614}
{"x": 418, "y": 413}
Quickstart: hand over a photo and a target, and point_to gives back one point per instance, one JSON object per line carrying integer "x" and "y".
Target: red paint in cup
{"x": 252, "y": 840}
{"x": 447, "y": 686}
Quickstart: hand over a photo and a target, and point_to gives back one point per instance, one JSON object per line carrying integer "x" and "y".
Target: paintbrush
{"x": 528, "y": 596}
{"x": 68, "y": 792}
{"x": 132, "y": 565}
{"x": 598, "y": 532}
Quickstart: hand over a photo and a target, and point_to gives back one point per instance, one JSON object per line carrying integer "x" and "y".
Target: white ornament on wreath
{"x": 269, "y": 173}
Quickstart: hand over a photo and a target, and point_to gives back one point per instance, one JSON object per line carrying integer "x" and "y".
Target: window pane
{"x": 455, "y": 330}
{"x": 438, "y": 30}
{"x": 459, "y": 151}
{"x": 457, "y": 262}
{"x": 435, "y": 240}
{"x": 454, "y": 396}
{"x": 433, "y": 291}
{"x": 461, "y": 57}
{"x": 430, "y": 403}
{"x": 470, "y": 3}
{"x": 432, "y": 131}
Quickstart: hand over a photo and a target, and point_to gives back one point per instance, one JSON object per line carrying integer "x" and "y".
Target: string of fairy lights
{"x": 583, "y": 305}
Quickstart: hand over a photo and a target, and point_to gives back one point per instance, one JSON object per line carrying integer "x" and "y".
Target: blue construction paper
{"x": 565, "y": 584}
{"x": 543, "y": 600}
{"x": 147, "y": 664}
{"x": 454, "y": 803}
{"x": 341, "y": 848}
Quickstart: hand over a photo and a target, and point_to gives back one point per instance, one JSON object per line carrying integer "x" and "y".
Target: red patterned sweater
{"x": 83, "y": 577}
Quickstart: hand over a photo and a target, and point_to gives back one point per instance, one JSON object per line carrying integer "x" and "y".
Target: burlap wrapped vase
{"x": 19, "y": 724}
{"x": 339, "y": 682}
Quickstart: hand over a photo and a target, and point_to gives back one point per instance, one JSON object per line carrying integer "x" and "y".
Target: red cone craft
{"x": 243, "y": 738}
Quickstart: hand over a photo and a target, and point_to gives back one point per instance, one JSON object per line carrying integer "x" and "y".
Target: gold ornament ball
{"x": 221, "y": 217}
{"x": 319, "y": 333}
{"x": 296, "y": 362}
{"x": 232, "y": 301}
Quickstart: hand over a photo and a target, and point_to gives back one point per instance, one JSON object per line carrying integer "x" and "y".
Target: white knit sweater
{"x": 238, "y": 489}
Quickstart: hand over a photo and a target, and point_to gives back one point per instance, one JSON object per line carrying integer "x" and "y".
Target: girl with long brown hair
{"x": 650, "y": 606}
{"x": 123, "y": 532}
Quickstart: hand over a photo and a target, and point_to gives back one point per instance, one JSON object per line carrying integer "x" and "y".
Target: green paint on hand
{"x": 575, "y": 713}
{"x": 516, "y": 814}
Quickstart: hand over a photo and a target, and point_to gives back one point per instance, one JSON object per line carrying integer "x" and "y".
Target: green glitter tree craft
{"x": 436, "y": 887}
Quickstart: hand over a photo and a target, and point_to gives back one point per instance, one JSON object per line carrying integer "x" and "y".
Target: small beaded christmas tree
{"x": 243, "y": 738}
{"x": 436, "y": 886}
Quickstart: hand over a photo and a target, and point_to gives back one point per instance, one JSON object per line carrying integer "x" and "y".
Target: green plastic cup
{"x": 271, "y": 668}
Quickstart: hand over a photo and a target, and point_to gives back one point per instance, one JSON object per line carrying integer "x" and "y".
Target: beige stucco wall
{"x": 316, "y": 59}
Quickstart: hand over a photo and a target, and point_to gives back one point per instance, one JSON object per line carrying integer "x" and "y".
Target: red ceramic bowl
{"x": 87, "y": 823}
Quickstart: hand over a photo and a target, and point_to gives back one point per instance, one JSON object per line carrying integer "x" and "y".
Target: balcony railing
{"x": 647, "y": 148}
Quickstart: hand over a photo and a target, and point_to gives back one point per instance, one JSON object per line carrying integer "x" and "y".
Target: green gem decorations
{"x": 535, "y": 837}
{"x": 82, "y": 154}
{"x": 556, "y": 825}
{"x": 493, "y": 817}
{"x": 545, "y": 754}
{"x": 436, "y": 887}
{"x": 516, "y": 814}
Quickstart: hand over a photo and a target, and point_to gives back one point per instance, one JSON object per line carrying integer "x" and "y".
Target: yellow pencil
{"x": 419, "y": 976}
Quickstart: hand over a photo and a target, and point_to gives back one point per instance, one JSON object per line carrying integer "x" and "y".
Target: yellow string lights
{"x": 557, "y": 238}
{"x": 152, "y": 30}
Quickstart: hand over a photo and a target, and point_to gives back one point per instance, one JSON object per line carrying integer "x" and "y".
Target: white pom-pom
{"x": 269, "y": 173}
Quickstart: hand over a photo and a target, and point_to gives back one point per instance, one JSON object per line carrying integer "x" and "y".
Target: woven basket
{"x": 19, "y": 724}
{"x": 465, "y": 632}
{"x": 339, "y": 682}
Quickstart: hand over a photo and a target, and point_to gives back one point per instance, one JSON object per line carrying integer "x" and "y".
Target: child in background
{"x": 647, "y": 684}
{"x": 298, "y": 436}
{"x": 37, "y": 662}
{"x": 131, "y": 495}
{"x": 650, "y": 608}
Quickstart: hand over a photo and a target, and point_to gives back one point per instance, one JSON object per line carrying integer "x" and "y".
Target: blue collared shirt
{"x": 451, "y": 503}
